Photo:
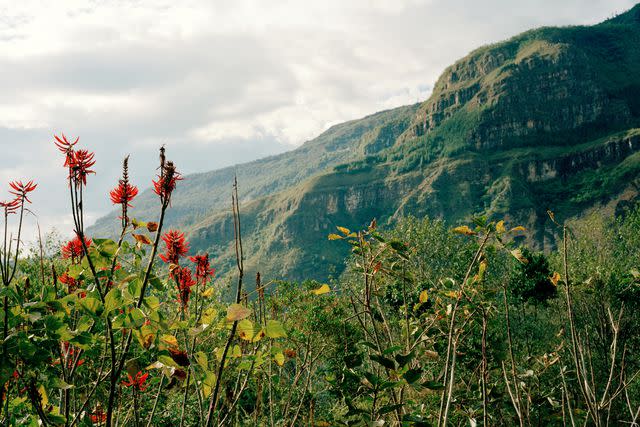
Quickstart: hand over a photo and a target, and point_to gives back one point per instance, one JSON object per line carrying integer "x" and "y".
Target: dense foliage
{"x": 427, "y": 326}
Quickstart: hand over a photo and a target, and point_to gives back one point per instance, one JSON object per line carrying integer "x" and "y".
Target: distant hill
{"x": 549, "y": 119}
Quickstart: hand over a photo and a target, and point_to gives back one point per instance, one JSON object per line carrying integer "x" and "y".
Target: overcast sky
{"x": 222, "y": 82}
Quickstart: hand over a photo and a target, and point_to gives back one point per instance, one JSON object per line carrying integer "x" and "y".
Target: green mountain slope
{"x": 546, "y": 120}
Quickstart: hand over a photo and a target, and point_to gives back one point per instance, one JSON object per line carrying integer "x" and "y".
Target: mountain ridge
{"x": 546, "y": 119}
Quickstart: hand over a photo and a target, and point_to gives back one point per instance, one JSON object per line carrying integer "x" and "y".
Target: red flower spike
{"x": 79, "y": 166}
{"x": 66, "y": 147}
{"x": 21, "y": 190}
{"x": 10, "y": 207}
{"x": 203, "y": 268}
{"x": 176, "y": 247}
{"x": 167, "y": 181}
{"x": 138, "y": 382}
{"x": 73, "y": 249}
{"x": 123, "y": 194}
{"x": 185, "y": 282}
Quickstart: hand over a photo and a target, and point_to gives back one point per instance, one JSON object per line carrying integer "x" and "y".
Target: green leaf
{"x": 275, "y": 329}
{"x": 352, "y": 360}
{"x": 412, "y": 375}
{"x": 403, "y": 360}
{"x": 432, "y": 385}
{"x": 112, "y": 300}
{"x": 389, "y": 408}
{"x": 387, "y": 363}
{"x": 202, "y": 360}
{"x": 91, "y": 305}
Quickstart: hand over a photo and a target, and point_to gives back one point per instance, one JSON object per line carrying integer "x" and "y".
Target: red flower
{"x": 203, "y": 269}
{"x": 185, "y": 282}
{"x": 79, "y": 166}
{"x": 166, "y": 182}
{"x": 177, "y": 247}
{"x": 123, "y": 194}
{"x": 10, "y": 207}
{"x": 66, "y": 147}
{"x": 138, "y": 382}
{"x": 74, "y": 249}
{"x": 21, "y": 190}
{"x": 72, "y": 284}
{"x": 98, "y": 416}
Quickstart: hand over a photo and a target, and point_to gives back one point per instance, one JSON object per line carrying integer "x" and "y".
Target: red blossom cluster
{"x": 10, "y": 207}
{"x": 176, "y": 247}
{"x": 20, "y": 192}
{"x": 98, "y": 416}
{"x": 123, "y": 194}
{"x": 74, "y": 249}
{"x": 138, "y": 382}
{"x": 79, "y": 162}
{"x": 203, "y": 268}
{"x": 185, "y": 283}
{"x": 166, "y": 181}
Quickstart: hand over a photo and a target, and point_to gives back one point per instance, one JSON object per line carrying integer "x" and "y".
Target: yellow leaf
{"x": 322, "y": 290}
{"x": 259, "y": 336}
{"x": 44, "y": 399}
{"x": 517, "y": 253}
{"x": 207, "y": 293}
{"x": 237, "y": 312}
{"x": 236, "y": 352}
{"x": 279, "y": 358}
{"x": 551, "y": 215}
{"x": 452, "y": 294}
{"x": 344, "y": 230}
{"x": 518, "y": 228}
{"x": 334, "y": 236}
{"x": 500, "y": 227}
{"x": 463, "y": 229}
{"x": 481, "y": 269}
{"x": 555, "y": 278}
{"x": 245, "y": 329}
{"x": 170, "y": 340}
{"x": 424, "y": 296}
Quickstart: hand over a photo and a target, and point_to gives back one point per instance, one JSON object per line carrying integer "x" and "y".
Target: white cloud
{"x": 223, "y": 81}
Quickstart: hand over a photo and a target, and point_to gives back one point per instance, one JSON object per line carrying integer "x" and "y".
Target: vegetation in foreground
{"x": 427, "y": 326}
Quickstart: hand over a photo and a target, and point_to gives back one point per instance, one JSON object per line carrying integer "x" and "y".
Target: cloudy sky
{"x": 222, "y": 82}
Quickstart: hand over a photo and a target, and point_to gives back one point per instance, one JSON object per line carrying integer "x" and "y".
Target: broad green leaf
{"x": 91, "y": 305}
{"x": 387, "y": 363}
{"x": 112, "y": 300}
{"x": 412, "y": 375}
{"x": 275, "y": 329}
{"x": 202, "y": 360}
